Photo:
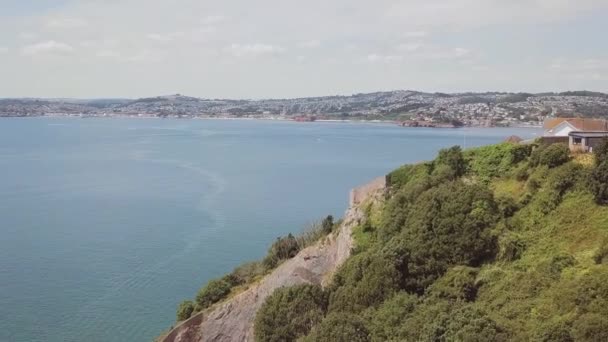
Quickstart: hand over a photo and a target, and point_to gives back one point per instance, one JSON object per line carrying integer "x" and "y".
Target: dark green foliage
{"x": 290, "y": 313}
{"x": 448, "y": 225}
{"x": 601, "y": 255}
{"x": 557, "y": 264}
{"x": 328, "y": 224}
{"x": 386, "y": 323}
{"x": 408, "y": 174}
{"x": 506, "y": 206}
{"x": 497, "y": 160}
{"x": 599, "y": 183}
{"x": 366, "y": 280}
{"x": 340, "y": 327}
{"x": 185, "y": 309}
{"x": 213, "y": 292}
{"x": 591, "y": 327}
{"x": 458, "y": 284}
{"x": 472, "y": 325}
{"x": 284, "y": 248}
{"x": 554, "y": 332}
{"x": 452, "y": 158}
{"x": 246, "y": 273}
{"x": 601, "y": 152}
{"x": 511, "y": 248}
{"x": 550, "y": 155}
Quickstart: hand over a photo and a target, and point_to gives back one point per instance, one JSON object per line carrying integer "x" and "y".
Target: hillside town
{"x": 407, "y": 108}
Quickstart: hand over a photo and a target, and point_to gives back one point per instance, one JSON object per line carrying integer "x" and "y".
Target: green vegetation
{"x": 184, "y": 310}
{"x": 499, "y": 243}
{"x": 290, "y": 313}
{"x": 284, "y": 248}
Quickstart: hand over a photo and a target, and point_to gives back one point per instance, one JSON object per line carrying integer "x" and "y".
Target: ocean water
{"x": 107, "y": 224}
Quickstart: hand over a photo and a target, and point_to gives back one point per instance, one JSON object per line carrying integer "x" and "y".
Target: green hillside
{"x": 500, "y": 243}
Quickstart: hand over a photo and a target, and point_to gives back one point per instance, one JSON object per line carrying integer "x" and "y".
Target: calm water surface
{"x": 107, "y": 224}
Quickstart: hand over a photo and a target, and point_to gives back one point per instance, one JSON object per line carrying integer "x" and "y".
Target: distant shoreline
{"x": 350, "y": 121}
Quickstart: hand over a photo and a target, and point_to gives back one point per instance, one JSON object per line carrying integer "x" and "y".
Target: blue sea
{"x": 107, "y": 224}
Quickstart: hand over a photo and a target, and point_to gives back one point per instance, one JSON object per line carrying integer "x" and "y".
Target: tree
{"x": 185, "y": 309}
{"x": 213, "y": 292}
{"x": 289, "y": 313}
{"x": 328, "y": 224}
{"x": 284, "y": 248}
{"x": 340, "y": 327}
{"x": 599, "y": 183}
{"x": 550, "y": 155}
{"x": 453, "y": 158}
{"x": 601, "y": 152}
{"x": 448, "y": 225}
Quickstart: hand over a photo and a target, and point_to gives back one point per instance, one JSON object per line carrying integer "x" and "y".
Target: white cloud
{"x": 409, "y": 47}
{"x": 107, "y": 54}
{"x": 27, "y": 35}
{"x": 48, "y": 47}
{"x": 239, "y": 50}
{"x": 427, "y": 43}
{"x": 213, "y": 19}
{"x": 378, "y": 58}
{"x": 310, "y": 44}
{"x": 460, "y": 52}
{"x": 415, "y": 34}
{"x": 165, "y": 37}
{"x": 594, "y": 69}
{"x": 3, "y": 49}
{"x": 66, "y": 23}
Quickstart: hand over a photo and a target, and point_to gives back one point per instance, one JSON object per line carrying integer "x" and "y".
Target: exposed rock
{"x": 233, "y": 320}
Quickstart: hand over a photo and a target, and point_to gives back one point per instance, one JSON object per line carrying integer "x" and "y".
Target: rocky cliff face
{"x": 233, "y": 319}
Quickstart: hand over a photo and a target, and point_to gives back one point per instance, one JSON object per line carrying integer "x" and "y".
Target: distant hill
{"x": 472, "y": 108}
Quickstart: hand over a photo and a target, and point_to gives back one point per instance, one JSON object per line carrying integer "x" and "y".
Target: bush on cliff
{"x": 550, "y": 155}
{"x": 185, "y": 309}
{"x": 290, "y": 313}
{"x": 213, "y": 292}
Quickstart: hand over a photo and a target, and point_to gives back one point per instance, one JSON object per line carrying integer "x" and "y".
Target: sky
{"x": 287, "y": 48}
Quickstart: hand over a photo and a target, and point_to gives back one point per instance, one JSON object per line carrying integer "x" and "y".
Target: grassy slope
{"x": 531, "y": 295}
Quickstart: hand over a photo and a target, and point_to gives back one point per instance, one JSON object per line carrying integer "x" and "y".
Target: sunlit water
{"x": 107, "y": 224}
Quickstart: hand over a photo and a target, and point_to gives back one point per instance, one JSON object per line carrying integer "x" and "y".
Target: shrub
{"x": 387, "y": 322}
{"x": 497, "y": 160}
{"x": 340, "y": 327}
{"x": 246, "y": 273}
{"x": 290, "y": 313}
{"x": 328, "y": 224}
{"x": 472, "y": 325}
{"x": 553, "y": 332}
{"x": 452, "y": 157}
{"x": 506, "y": 206}
{"x": 458, "y": 284}
{"x": 213, "y": 292}
{"x": 550, "y": 155}
{"x": 448, "y": 225}
{"x": 599, "y": 183}
{"x": 601, "y": 152}
{"x": 365, "y": 280}
{"x": 601, "y": 255}
{"x": 511, "y": 248}
{"x": 284, "y": 248}
{"x": 590, "y": 327}
{"x": 185, "y": 309}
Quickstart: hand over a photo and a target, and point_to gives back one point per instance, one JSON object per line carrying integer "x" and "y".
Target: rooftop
{"x": 589, "y": 134}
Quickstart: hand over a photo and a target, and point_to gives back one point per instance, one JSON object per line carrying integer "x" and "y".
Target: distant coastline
{"x": 277, "y": 119}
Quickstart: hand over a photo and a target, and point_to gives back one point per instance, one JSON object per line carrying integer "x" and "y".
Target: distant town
{"x": 407, "y": 108}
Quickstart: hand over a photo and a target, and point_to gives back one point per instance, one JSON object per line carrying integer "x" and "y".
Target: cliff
{"x": 233, "y": 319}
